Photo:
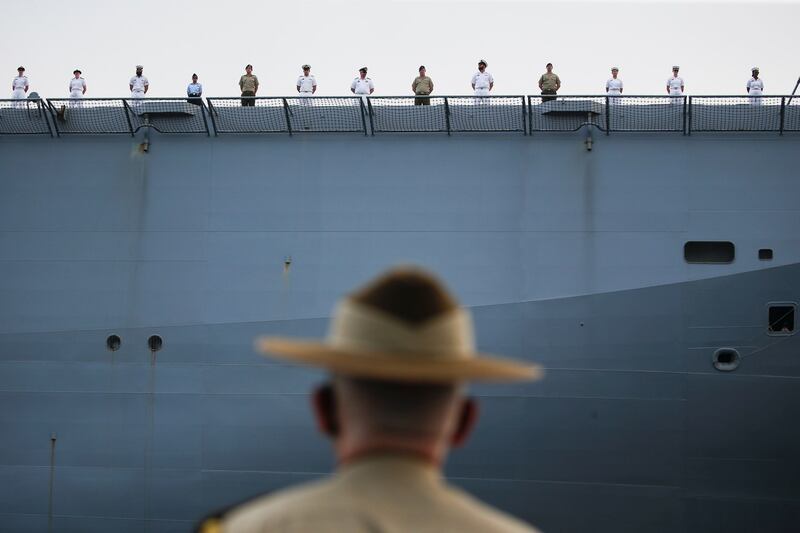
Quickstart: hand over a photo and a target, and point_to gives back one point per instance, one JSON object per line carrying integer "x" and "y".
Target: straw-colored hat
{"x": 364, "y": 341}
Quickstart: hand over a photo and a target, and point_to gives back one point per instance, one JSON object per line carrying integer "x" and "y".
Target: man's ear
{"x": 325, "y": 412}
{"x": 467, "y": 418}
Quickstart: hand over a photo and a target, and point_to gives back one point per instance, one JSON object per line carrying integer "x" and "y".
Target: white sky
{"x": 714, "y": 42}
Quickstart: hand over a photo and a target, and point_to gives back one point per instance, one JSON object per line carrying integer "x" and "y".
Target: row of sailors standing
{"x": 482, "y": 83}
{"x": 614, "y": 85}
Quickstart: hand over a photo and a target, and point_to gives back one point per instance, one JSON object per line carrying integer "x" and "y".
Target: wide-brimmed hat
{"x": 367, "y": 342}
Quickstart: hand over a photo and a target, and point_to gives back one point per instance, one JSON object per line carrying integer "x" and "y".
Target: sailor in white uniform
{"x": 139, "y": 84}
{"x": 614, "y": 86}
{"x": 362, "y": 86}
{"x": 194, "y": 91}
{"x": 675, "y": 85}
{"x": 77, "y": 88}
{"x": 306, "y": 84}
{"x": 20, "y": 86}
{"x": 482, "y": 82}
{"x": 755, "y": 87}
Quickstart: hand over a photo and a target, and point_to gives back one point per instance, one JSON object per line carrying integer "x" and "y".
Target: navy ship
{"x": 645, "y": 251}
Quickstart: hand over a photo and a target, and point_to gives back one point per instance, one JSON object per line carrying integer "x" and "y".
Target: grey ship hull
{"x": 570, "y": 258}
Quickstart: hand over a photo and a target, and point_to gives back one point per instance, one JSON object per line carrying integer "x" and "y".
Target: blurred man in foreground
{"x": 399, "y": 351}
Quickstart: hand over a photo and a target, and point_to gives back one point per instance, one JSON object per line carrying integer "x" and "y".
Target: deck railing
{"x": 374, "y": 115}
{"x": 92, "y": 116}
{"x": 24, "y": 117}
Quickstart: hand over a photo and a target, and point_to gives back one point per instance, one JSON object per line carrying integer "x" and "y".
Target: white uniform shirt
{"x": 194, "y": 89}
{"x": 139, "y": 83}
{"x": 307, "y": 83}
{"x": 675, "y": 84}
{"x": 756, "y": 86}
{"x": 76, "y": 85}
{"x": 362, "y": 86}
{"x": 614, "y": 86}
{"x": 20, "y": 82}
{"x": 482, "y": 80}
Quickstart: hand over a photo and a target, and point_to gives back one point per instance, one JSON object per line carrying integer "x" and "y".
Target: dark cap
{"x": 421, "y": 67}
{"x": 194, "y": 75}
{"x": 77, "y": 71}
{"x": 21, "y": 68}
{"x": 362, "y": 69}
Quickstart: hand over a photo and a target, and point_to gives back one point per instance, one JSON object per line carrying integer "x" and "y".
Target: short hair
{"x": 394, "y": 408}
{"x": 248, "y": 66}
{"x": 194, "y": 75}
{"x": 548, "y": 65}
{"x": 408, "y": 294}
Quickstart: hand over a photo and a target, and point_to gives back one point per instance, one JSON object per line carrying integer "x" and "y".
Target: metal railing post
{"x": 363, "y": 109}
{"x": 683, "y": 128}
{"x": 447, "y": 114}
{"x": 371, "y": 116}
{"x": 205, "y": 120}
{"x": 286, "y": 114}
{"x": 530, "y": 115}
{"x": 128, "y": 112}
{"x": 608, "y": 114}
{"x": 783, "y": 114}
{"x": 524, "y": 117}
{"x": 211, "y": 112}
{"x": 52, "y": 112}
{"x": 689, "y": 117}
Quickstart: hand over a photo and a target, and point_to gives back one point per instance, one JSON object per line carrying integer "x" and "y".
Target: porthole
{"x": 709, "y": 252}
{"x": 765, "y": 254}
{"x": 726, "y": 359}
{"x": 113, "y": 342}
{"x": 781, "y": 319}
{"x": 155, "y": 343}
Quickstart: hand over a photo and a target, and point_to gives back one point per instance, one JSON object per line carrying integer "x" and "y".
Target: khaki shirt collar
{"x": 391, "y": 468}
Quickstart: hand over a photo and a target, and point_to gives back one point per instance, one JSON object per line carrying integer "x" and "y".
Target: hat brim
{"x": 394, "y": 367}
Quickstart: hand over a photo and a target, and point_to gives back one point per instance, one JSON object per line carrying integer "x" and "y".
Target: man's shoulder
{"x": 279, "y": 508}
{"x": 483, "y": 517}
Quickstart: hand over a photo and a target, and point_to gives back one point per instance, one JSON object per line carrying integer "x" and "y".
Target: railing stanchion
{"x": 783, "y": 114}
{"x": 683, "y": 128}
{"x": 447, "y": 113}
{"x": 47, "y": 117}
{"x": 524, "y": 117}
{"x": 530, "y": 115}
{"x": 128, "y": 112}
{"x": 211, "y": 112}
{"x": 205, "y": 120}
{"x": 371, "y": 116}
{"x": 286, "y": 113}
{"x": 363, "y": 109}
{"x": 689, "y": 117}
{"x": 608, "y": 115}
